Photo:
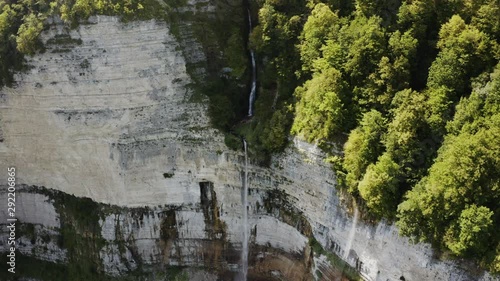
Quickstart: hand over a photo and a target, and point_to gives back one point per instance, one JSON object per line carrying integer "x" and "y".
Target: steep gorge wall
{"x": 107, "y": 115}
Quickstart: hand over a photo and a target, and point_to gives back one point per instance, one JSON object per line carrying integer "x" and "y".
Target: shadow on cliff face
{"x": 117, "y": 243}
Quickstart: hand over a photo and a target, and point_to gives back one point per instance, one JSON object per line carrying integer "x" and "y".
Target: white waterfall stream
{"x": 244, "y": 251}
{"x": 352, "y": 233}
{"x": 251, "y": 98}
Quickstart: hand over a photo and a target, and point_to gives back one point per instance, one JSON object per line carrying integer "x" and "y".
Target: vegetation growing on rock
{"x": 21, "y": 23}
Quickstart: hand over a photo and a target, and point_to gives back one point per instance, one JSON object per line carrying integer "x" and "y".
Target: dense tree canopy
{"x": 379, "y": 187}
{"x": 363, "y": 147}
{"x": 415, "y": 87}
{"x": 321, "y": 25}
{"x": 319, "y": 110}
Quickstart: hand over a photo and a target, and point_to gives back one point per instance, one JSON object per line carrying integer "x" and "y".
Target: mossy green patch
{"x": 176, "y": 273}
{"x": 335, "y": 261}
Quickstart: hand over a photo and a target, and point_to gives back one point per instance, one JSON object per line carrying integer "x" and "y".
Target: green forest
{"x": 409, "y": 91}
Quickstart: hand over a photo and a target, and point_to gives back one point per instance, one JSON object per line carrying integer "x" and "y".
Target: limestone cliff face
{"x": 107, "y": 114}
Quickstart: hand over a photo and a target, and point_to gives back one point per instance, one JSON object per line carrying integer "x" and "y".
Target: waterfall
{"x": 352, "y": 232}
{"x": 251, "y": 99}
{"x": 244, "y": 252}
